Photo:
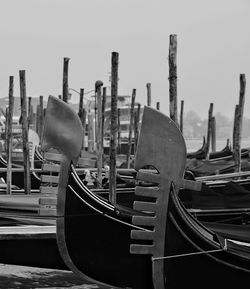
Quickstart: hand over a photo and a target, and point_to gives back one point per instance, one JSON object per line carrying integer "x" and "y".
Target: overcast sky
{"x": 213, "y": 48}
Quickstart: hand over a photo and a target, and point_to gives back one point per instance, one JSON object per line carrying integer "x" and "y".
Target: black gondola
{"x": 152, "y": 245}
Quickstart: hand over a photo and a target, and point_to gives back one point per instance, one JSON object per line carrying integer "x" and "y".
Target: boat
{"x": 153, "y": 244}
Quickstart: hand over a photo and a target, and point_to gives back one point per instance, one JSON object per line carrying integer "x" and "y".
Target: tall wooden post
{"x": 82, "y": 116}
{"x": 9, "y": 116}
{"x": 113, "y": 131}
{"x": 30, "y": 111}
{"x": 104, "y": 95}
{"x": 210, "y": 115}
{"x": 238, "y": 124}
{"x": 25, "y": 132}
{"x": 38, "y": 111}
{"x": 131, "y": 127}
{"x": 119, "y": 148}
{"x": 41, "y": 117}
{"x": 65, "y": 79}
{"x": 98, "y": 89}
{"x": 181, "y": 116}
{"x": 136, "y": 125}
{"x": 213, "y": 134}
{"x": 173, "y": 78}
{"x": 91, "y": 139}
{"x": 148, "y": 85}
{"x": 236, "y": 140}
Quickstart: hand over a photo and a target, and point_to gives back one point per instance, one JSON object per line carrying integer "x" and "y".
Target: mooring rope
{"x": 188, "y": 254}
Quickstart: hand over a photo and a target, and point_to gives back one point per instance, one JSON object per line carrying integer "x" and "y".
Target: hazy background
{"x": 213, "y": 48}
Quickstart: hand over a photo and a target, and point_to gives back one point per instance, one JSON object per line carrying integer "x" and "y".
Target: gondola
{"x": 153, "y": 244}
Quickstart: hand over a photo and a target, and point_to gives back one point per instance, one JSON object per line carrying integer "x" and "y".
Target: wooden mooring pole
{"x": 99, "y": 147}
{"x": 213, "y": 134}
{"x": 41, "y": 117}
{"x": 131, "y": 121}
{"x": 104, "y": 95}
{"x": 137, "y": 115}
{"x": 239, "y": 110}
{"x": 9, "y": 117}
{"x": 30, "y": 112}
{"x": 25, "y": 140}
{"x": 172, "y": 60}
{"x": 210, "y": 115}
{"x": 113, "y": 130}
{"x": 91, "y": 140}
{"x": 119, "y": 147}
{"x": 82, "y": 116}
{"x": 65, "y": 79}
{"x": 148, "y": 85}
{"x": 181, "y": 116}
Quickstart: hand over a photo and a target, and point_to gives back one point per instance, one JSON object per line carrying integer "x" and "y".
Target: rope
{"x": 188, "y": 254}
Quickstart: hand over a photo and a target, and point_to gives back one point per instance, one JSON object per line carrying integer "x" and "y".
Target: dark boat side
{"x": 153, "y": 244}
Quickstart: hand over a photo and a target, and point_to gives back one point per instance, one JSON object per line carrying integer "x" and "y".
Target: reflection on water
{"x": 195, "y": 144}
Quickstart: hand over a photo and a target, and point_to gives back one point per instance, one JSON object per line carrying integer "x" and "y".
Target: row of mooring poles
{"x": 9, "y": 133}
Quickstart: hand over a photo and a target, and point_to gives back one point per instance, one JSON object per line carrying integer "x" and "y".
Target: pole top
{"x": 98, "y": 84}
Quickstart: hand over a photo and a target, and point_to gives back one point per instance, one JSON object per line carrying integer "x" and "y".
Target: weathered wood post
{"x": 65, "y": 79}
{"x": 131, "y": 127}
{"x": 119, "y": 148}
{"x": 213, "y": 134}
{"x": 99, "y": 147}
{"x": 236, "y": 138}
{"x": 172, "y": 60}
{"x": 26, "y": 158}
{"x": 82, "y": 116}
{"x": 136, "y": 125}
{"x": 41, "y": 117}
{"x": 238, "y": 124}
{"x": 30, "y": 112}
{"x": 9, "y": 117}
{"x": 113, "y": 131}
{"x": 91, "y": 140}
{"x": 104, "y": 95}
{"x": 148, "y": 85}
{"x": 210, "y": 115}
{"x": 38, "y": 119}
{"x": 181, "y": 116}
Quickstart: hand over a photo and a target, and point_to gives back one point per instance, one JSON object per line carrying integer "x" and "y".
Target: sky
{"x": 213, "y": 48}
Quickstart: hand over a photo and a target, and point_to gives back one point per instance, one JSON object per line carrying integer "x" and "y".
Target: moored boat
{"x": 153, "y": 244}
